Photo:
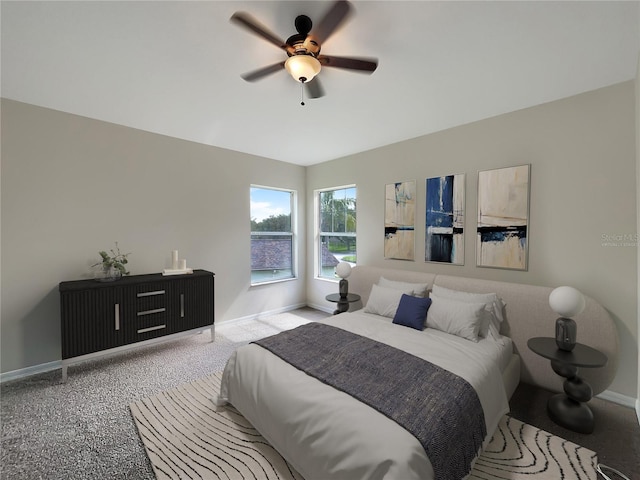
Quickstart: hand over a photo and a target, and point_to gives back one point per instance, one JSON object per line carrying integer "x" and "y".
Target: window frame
{"x": 319, "y": 234}
{"x": 292, "y": 234}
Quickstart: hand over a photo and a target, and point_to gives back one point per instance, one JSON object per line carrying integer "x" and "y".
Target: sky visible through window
{"x": 265, "y": 203}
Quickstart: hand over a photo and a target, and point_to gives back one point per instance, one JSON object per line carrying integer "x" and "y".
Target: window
{"x": 272, "y": 235}
{"x": 337, "y": 229}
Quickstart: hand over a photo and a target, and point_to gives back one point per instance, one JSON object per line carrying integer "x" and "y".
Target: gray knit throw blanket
{"x": 438, "y": 407}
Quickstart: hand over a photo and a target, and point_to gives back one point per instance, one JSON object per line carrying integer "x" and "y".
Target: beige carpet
{"x": 186, "y": 438}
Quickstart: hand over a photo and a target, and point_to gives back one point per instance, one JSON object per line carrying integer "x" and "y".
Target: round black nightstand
{"x": 343, "y": 303}
{"x": 569, "y": 409}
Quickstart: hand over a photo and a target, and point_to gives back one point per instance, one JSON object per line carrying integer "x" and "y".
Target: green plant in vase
{"x": 112, "y": 265}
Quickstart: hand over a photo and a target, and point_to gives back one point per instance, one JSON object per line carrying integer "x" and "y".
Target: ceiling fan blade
{"x": 337, "y": 14}
{"x": 314, "y": 88}
{"x": 360, "y": 64}
{"x": 247, "y": 21}
{"x": 263, "y": 72}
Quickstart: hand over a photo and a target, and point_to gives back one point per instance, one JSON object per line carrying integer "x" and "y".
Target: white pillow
{"x": 417, "y": 289}
{"x": 462, "y": 319}
{"x": 384, "y": 301}
{"x": 487, "y": 320}
{"x": 494, "y": 307}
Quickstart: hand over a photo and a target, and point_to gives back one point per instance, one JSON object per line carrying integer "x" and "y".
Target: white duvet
{"x": 327, "y": 434}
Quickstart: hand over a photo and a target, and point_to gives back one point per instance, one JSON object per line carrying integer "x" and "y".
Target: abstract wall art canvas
{"x": 503, "y": 218}
{"x": 444, "y": 225}
{"x": 399, "y": 220}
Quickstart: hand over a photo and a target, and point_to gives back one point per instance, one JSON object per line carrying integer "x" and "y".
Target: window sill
{"x": 330, "y": 280}
{"x": 271, "y": 282}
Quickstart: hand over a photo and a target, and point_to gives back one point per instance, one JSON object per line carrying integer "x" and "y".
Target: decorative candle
{"x": 174, "y": 259}
{"x": 183, "y": 264}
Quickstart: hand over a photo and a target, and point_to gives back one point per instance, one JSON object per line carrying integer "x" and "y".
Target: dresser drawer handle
{"x": 148, "y": 294}
{"x": 149, "y": 312}
{"x": 151, "y": 329}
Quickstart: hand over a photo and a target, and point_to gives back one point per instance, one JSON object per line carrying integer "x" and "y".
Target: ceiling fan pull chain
{"x": 302, "y": 93}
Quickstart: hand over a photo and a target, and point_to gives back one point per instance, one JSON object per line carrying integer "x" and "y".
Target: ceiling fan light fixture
{"x": 302, "y": 67}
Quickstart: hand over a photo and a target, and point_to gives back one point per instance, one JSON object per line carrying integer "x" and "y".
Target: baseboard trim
{"x": 265, "y": 313}
{"x": 619, "y": 398}
{"x": 322, "y": 308}
{"x": 28, "y": 371}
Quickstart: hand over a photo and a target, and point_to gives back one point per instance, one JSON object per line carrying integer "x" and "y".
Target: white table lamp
{"x": 566, "y": 302}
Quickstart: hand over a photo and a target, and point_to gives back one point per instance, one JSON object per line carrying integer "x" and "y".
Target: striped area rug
{"x": 186, "y": 438}
{"x": 519, "y": 450}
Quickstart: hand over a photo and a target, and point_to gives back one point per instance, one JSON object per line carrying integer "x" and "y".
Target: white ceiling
{"x": 174, "y": 67}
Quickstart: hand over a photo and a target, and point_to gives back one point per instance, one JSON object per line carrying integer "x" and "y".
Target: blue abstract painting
{"x": 503, "y": 218}
{"x": 444, "y": 223}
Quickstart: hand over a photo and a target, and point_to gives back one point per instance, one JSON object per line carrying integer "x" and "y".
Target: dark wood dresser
{"x": 104, "y": 317}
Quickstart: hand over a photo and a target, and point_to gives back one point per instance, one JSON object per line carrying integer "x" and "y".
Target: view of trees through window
{"x": 272, "y": 244}
{"x": 279, "y": 223}
{"x": 337, "y": 225}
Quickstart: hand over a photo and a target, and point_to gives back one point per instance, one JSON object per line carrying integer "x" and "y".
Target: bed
{"x": 325, "y": 432}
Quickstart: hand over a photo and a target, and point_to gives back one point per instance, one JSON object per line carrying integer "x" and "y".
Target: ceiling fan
{"x": 304, "y": 60}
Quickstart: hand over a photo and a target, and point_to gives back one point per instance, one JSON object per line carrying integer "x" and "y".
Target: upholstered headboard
{"x": 527, "y": 315}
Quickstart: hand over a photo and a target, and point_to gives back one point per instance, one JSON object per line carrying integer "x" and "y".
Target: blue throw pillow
{"x": 412, "y": 311}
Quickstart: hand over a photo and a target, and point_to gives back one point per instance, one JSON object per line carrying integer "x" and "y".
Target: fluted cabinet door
{"x": 194, "y": 300}
{"x": 92, "y": 321}
{"x": 76, "y": 313}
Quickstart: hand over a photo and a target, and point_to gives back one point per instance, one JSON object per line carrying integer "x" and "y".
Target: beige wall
{"x": 582, "y": 155}
{"x": 72, "y": 186}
